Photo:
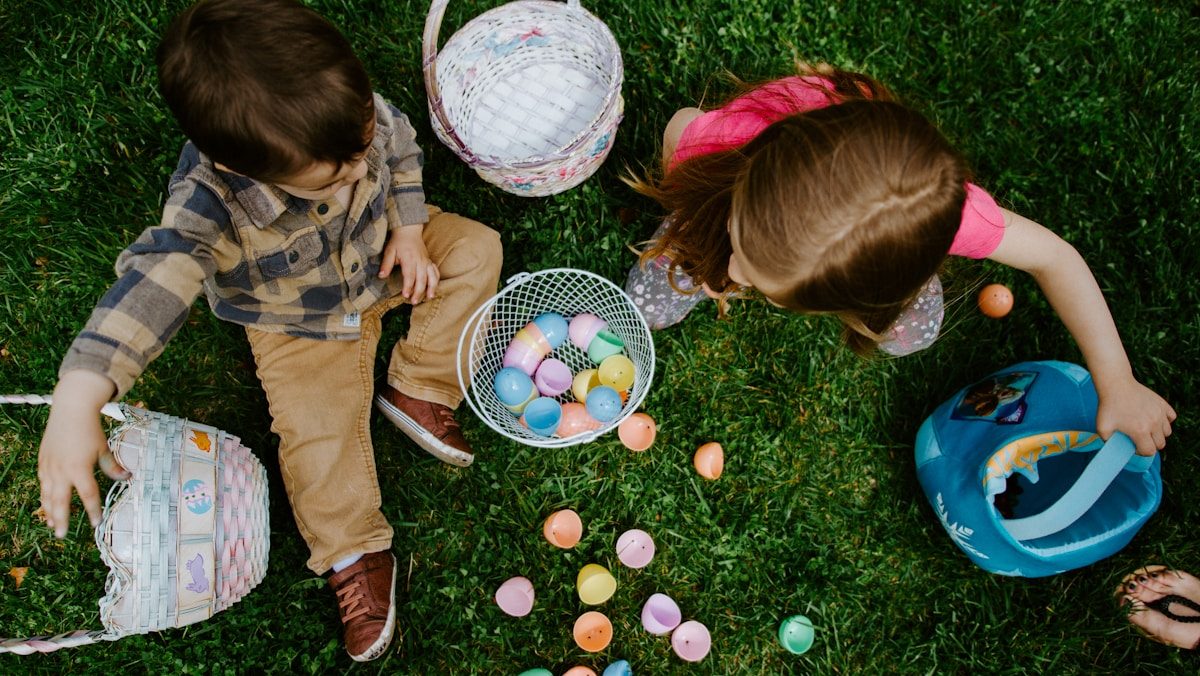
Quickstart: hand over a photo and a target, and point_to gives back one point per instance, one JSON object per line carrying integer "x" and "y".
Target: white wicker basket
{"x": 567, "y": 292}
{"x": 185, "y": 537}
{"x": 528, "y": 93}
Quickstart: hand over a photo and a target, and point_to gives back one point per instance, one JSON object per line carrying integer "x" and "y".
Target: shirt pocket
{"x": 296, "y": 257}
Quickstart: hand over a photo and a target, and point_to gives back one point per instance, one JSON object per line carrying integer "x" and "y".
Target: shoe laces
{"x": 445, "y": 418}
{"x": 352, "y": 601}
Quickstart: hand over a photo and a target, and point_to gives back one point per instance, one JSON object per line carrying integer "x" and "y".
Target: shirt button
{"x": 293, "y": 257}
{"x": 323, "y": 209}
{"x": 354, "y": 267}
{"x": 360, "y": 290}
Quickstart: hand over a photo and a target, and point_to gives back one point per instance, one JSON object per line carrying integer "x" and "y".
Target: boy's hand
{"x": 72, "y": 445}
{"x": 406, "y": 247}
{"x": 1130, "y": 407}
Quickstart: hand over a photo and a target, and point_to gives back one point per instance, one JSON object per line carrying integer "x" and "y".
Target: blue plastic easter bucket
{"x": 1020, "y": 480}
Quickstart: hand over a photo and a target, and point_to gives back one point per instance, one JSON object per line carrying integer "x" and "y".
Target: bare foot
{"x": 1155, "y": 594}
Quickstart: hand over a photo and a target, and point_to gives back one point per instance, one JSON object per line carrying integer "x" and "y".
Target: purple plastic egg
{"x": 660, "y": 614}
{"x": 553, "y": 378}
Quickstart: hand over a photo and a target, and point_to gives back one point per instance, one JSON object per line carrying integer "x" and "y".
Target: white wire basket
{"x": 528, "y": 93}
{"x": 567, "y": 292}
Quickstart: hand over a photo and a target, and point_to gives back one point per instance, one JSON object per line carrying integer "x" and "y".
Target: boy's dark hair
{"x": 265, "y": 87}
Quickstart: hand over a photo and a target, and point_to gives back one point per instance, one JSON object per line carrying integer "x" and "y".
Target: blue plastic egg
{"x": 603, "y": 403}
{"x": 542, "y": 415}
{"x": 618, "y": 668}
{"x": 554, "y": 326}
{"x": 513, "y": 388}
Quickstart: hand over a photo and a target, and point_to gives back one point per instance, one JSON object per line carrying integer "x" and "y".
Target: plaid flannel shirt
{"x": 264, "y": 258}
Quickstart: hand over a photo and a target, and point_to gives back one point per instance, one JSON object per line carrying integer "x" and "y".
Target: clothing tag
{"x": 352, "y": 320}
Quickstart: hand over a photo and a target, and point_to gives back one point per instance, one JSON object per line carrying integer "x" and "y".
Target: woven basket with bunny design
{"x": 528, "y": 93}
{"x": 186, "y": 536}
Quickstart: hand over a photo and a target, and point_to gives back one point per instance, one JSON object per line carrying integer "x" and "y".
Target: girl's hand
{"x": 71, "y": 447}
{"x": 1130, "y": 407}
{"x": 406, "y": 247}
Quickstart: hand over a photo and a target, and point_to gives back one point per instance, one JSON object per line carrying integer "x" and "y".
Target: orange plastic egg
{"x": 593, "y": 631}
{"x": 637, "y": 432}
{"x": 563, "y": 528}
{"x": 709, "y": 460}
{"x": 995, "y": 300}
{"x": 575, "y": 420}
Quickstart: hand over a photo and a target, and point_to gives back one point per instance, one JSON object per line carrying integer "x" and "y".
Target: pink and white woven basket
{"x": 528, "y": 93}
{"x": 185, "y": 537}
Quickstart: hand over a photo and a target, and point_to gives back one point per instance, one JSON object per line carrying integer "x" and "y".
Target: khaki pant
{"x": 320, "y": 392}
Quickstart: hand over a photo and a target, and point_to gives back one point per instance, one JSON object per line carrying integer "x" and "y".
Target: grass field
{"x": 1085, "y": 116}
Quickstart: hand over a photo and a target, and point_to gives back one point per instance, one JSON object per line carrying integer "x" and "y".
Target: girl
{"x": 826, "y": 196}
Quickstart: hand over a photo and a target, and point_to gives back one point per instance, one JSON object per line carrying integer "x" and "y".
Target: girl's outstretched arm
{"x": 1125, "y": 404}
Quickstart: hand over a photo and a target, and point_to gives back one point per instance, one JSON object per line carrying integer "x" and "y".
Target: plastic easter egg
{"x": 995, "y": 300}
{"x": 603, "y": 403}
{"x": 691, "y": 641}
{"x": 542, "y": 415}
{"x": 618, "y": 668}
{"x": 563, "y": 528}
{"x": 635, "y": 548}
{"x": 709, "y": 460}
{"x": 660, "y": 614}
{"x": 552, "y": 377}
{"x": 533, "y": 336}
{"x": 796, "y": 634}
{"x": 604, "y": 345}
{"x": 595, "y": 584}
{"x": 593, "y": 631}
{"x": 585, "y": 381}
{"x": 515, "y": 596}
{"x": 521, "y": 355}
{"x": 637, "y": 432}
{"x": 553, "y": 326}
{"x": 617, "y": 372}
{"x": 583, "y": 328}
{"x": 536, "y": 672}
{"x": 513, "y": 388}
{"x": 579, "y": 671}
{"x": 575, "y": 420}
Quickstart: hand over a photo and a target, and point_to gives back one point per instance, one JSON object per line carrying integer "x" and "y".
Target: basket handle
{"x": 429, "y": 52}
{"x": 112, "y": 409}
{"x": 1115, "y": 456}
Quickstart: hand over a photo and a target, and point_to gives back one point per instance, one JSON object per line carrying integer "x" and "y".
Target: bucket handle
{"x": 429, "y": 52}
{"x": 1115, "y": 456}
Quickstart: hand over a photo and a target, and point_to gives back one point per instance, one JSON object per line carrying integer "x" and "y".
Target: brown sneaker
{"x": 366, "y": 595}
{"x": 431, "y": 425}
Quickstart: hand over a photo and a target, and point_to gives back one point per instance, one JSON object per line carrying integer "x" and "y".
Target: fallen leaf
{"x": 18, "y": 574}
{"x": 40, "y": 514}
{"x": 41, "y": 261}
{"x": 4, "y": 353}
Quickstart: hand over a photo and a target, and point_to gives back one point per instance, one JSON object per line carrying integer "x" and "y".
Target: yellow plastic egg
{"x": 563, "y": 528}
{"x": 584, "y": 381}
{"x": 595, "y": 584}
{"x": 709, "y": 460}
{"x": 617, "y": 372}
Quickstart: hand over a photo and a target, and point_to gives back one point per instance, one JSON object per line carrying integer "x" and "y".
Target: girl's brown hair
{"x": 846, "y": 210}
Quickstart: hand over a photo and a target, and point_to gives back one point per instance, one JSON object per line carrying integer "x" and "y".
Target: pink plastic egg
{"x": 553, "y": 378}
{"x": 579, "y": 671}
{"x": 575, "y": 420}
{"x": 521, "y": 355}
{"x": 515, "y": 596}
{"x": 691, "y": 641}
{"x": 583, "y": 328}
{"x": 635, "y": 548}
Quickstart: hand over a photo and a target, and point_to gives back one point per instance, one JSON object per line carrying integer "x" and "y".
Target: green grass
{"x": 1080, "y": 115}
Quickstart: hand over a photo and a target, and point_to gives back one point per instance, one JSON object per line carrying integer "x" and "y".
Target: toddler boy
{"x": 297, "y": 208}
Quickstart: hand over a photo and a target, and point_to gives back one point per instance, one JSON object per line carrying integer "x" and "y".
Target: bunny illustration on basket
{"x": 528, "y": 93}
{"x": 186, "y": 536}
